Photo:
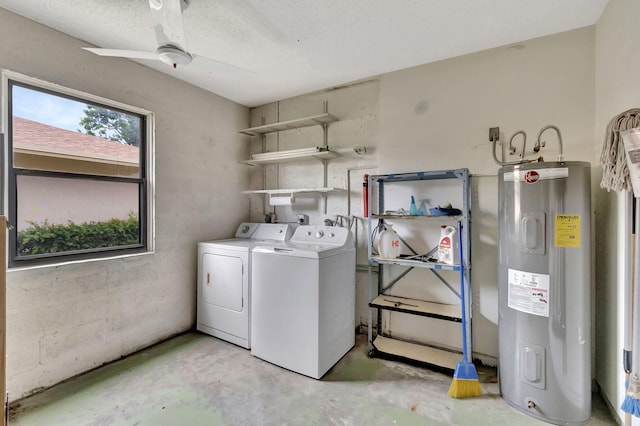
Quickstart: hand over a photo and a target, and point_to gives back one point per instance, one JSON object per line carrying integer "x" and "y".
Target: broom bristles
{"x": 631, "y": 403}
{"x": 462, "y": 388}
{"x": 465, "y": 382}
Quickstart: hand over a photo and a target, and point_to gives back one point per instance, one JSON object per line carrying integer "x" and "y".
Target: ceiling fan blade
{"x": 166, "y": 17}
{"x": 122, "y": 53}
{"x": 219, "y": 67}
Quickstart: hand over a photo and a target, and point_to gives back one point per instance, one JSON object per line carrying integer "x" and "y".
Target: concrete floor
{"x": 195, "y": 379}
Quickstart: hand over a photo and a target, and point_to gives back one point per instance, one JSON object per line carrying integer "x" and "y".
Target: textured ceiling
{"x": 298, "y": 46}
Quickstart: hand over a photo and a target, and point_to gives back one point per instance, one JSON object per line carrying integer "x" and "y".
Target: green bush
{"x": 40, "y": 238}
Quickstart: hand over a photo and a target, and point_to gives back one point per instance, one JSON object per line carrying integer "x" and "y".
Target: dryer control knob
{"x": 331, "y": 235}
{"x": 245, "y": 229}
{"x": 308, "y": 233}
{"x": 319, "y": 234}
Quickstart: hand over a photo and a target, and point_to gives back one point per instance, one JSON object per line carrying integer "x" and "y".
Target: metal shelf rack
{"x": 385, "y": 345}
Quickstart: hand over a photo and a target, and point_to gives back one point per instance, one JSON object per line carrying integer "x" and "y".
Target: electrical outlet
{"x": 302, "y": 219}
{"x": 360, "y": 150}
{"x": 494, "y": 133}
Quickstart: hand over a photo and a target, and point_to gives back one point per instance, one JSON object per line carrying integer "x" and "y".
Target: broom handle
{"x": 635, "y": 364}
{"x": 628, "y": 289}
{"x": 466, "y": 351}
{"x": 631, "y": 290}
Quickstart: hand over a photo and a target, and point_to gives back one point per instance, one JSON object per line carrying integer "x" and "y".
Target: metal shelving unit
{"x": 385, "y": 345}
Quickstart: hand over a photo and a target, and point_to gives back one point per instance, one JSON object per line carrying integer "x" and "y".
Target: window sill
{"x": 76, "y": 262}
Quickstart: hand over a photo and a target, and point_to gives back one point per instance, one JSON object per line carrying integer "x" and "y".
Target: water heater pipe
{"x": 536, "y": 148}
{"x": 509, "y": 163}
{"x": 512, "y": 149}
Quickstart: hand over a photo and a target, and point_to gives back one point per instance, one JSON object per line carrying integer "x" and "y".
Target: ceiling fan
{"x": 166, "y": 16}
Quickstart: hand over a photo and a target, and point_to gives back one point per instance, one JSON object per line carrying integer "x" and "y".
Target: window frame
{"x": 10, "y": 174}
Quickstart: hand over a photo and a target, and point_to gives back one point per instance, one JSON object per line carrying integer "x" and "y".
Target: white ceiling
{"x": 298, "y": 46}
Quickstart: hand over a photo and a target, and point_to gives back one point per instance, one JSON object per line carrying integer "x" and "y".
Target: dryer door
{"x": 222, "y": 281}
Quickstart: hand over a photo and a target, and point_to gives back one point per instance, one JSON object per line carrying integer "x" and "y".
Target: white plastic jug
{"x": 388, "y": 243}
{"x": 448, "y": 247}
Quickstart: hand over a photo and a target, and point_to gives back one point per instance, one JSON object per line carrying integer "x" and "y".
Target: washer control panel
{"x": 325, "y": 235}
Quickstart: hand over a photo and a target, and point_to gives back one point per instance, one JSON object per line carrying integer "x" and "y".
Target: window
{"x": 77, "y": 165}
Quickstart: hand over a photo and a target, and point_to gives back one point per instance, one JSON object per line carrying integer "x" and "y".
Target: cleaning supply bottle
{"x": 448, "y": 247}
{"x": 388, "y": 243}
{"x": 413, "y": 210}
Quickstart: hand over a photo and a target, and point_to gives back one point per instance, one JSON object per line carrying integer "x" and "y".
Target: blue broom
{"x": 631, "y": 403}
{"x": 465, "y": 382}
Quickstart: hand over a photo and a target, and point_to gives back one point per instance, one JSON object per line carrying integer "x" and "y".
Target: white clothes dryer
{"x": 303, "y": 300}
{"x": 224, "y": 281}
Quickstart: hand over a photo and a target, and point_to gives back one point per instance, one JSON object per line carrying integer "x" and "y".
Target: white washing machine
{"x": 303, "y": 300}
{"x": 224, "y": 280}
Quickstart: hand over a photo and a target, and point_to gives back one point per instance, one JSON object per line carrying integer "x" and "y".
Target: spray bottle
{"x": 413, "y": 210}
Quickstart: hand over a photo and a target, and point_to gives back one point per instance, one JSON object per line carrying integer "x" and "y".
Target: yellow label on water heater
{"x": 567, "y": 230}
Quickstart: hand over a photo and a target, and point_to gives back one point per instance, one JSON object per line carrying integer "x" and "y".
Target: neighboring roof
{"x": 41, "y": 139}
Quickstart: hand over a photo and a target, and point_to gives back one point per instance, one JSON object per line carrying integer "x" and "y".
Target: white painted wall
{"x": 617, "y": 64}
{"x": 65, "y": 320}
{"x": 437, "y": 116}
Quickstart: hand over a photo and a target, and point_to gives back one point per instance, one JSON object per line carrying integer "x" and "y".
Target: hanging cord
{"x": 374, "y": 234}
{"x": 615, "y": 174}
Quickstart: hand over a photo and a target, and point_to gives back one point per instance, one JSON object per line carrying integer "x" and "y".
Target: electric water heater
{"x": 544, "y": 290}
